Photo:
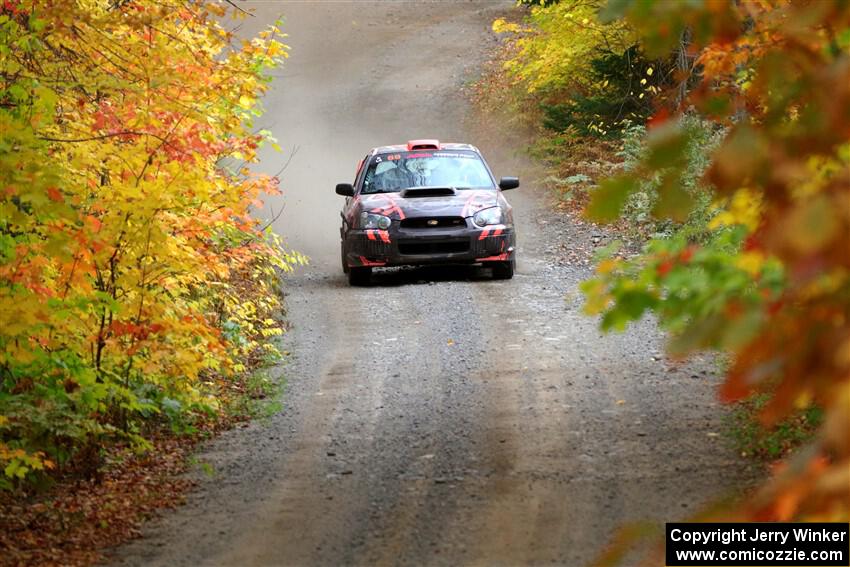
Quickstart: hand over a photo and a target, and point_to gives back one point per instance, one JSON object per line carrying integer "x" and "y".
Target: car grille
{"x": 374, "y": 249}
{"x": 433, "y": 222}
{"x": 417, "y": 247}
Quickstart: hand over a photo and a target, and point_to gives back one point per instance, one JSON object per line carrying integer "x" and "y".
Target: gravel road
{"x": 436, "y": 417}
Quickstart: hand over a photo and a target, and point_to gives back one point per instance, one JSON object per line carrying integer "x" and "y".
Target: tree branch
{"x": 246, "y": 12}
{"x": 102, "y": 137}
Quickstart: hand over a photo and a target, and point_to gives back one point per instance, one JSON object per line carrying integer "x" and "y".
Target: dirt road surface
{"x": 436, "y": 417}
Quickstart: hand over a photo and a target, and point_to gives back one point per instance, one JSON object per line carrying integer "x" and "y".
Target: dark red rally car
{"x": 426, "y": 203}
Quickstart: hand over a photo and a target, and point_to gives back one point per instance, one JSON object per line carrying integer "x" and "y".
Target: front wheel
{"x": 359, "y": 276}
{"x": 504, "y": 270}
{"x": 345, "y": 268}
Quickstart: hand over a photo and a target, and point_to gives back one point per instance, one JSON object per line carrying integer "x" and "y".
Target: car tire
{"x": 359, "y": 276}
{"x": 345, "y": 268}
{"x": 504, "y": 270}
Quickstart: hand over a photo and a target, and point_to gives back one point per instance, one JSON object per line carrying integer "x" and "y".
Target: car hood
{"x": 462, "y": 203}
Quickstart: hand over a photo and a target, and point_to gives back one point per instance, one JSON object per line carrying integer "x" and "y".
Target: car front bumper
{"x": 405, "y": 247}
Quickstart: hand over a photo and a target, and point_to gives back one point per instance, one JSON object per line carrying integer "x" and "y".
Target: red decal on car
{"x": 387, "y": 207}
{"x": 499, "y": 258}
{"x": 367, "y": 262}
{"x": 395, "y": 207}
{"x": 475, "y": 202}
{"x": 491, "y": 231}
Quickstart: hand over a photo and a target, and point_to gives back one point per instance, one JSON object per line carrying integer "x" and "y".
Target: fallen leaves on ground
{"x": 75, "y": 522}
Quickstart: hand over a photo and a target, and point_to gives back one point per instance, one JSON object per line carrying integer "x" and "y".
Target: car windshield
{"x": 390, "y": 173}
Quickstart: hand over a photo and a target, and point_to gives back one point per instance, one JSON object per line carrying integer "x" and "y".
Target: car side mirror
{"x": 345, "y": 189}
{"x": 506, "y": 183}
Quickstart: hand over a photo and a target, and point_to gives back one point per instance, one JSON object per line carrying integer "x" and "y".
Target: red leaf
{"x": 658, "y": 119}
{"x": 664, "y": 268}
{"x": 687, "y": 254}
{"x": 94, "y": 223}
{"x": 54, "y": 194}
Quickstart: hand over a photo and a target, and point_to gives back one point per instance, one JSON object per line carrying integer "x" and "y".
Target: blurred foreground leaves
{"x": 771, "y": 285}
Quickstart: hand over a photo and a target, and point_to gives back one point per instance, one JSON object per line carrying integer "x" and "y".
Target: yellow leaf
{"x": 607, "y": 266}
{"x": 743, "y": 208}
{"x": 751, "y": 262}
{"x": 274, "y": 49}
{"x": 500, "y": 25}
{"x": 649, "y": 71}
{"x": 803, "y": 400}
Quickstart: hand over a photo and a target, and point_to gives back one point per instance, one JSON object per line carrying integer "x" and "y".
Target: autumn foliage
{"x": 772, "y": 287}
{"x": 134, "y": 282}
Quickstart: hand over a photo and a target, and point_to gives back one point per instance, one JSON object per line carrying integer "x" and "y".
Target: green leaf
{"x": 667, "y": 146}
{"x": 674, "y": 201}
{"x": 608, "y": 199}
{"x": 697, "y": 335}
{"x": 613, "y": 10}
{"x": 631, "y": 305}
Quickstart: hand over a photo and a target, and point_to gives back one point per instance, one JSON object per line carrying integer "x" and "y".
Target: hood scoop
{"x": 428, "y": 192}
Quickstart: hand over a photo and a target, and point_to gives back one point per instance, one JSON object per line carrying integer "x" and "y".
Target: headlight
{"x": 369, "y": 220}
{"x": 485, "y": 217}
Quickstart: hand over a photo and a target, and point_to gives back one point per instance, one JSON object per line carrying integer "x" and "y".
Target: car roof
{"x": 405, "y": 147}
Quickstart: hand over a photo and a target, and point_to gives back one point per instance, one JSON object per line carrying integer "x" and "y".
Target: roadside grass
{"x": 262, "y": 394}
{"x": 751, "y": 439}
{"x": 575, "y": 164}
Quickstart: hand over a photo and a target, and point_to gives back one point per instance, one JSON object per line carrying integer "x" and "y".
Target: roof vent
{"x": 423, "y": 145}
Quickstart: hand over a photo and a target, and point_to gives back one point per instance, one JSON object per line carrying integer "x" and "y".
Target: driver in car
{"x": 395, "y": 177}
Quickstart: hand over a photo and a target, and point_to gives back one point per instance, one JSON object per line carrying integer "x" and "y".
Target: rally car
{"x": 426, "y": 203}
